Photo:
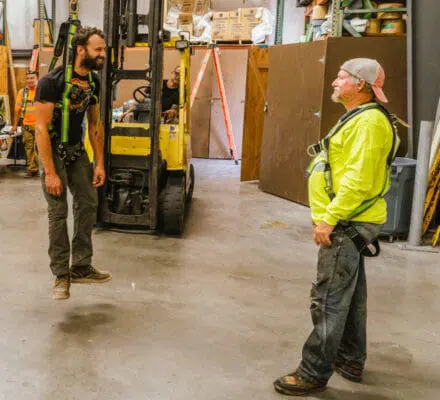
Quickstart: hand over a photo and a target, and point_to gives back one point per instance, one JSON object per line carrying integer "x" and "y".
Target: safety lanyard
{"x": 25, "y": 95}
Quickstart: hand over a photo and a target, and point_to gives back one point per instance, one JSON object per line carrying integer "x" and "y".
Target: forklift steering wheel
{"x": 141, "y": 93}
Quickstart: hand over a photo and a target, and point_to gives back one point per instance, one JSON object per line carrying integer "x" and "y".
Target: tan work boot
{"x": 61, "y": 288}
{"x": 89, "y": 275}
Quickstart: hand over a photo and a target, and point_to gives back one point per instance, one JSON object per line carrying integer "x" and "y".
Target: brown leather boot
{"x": 89, "y": 274}
{"x": 61, "y": 288}
{"x": 295, "y": 385}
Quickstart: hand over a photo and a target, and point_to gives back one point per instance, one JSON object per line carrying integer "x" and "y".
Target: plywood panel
{"x": 20, "y": 76}
{"x": 45, "y": 58}
{"x": 234, "y": 67}
{"x": 296, "y": 76}
{"x": 4, "y": 70}
{"x": 201, "y": 111}
{"x": 391, "y": 54}
{"x": 256, "y": 87}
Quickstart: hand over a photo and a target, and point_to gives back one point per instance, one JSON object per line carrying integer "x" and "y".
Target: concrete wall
{"x": 293, "y": 22}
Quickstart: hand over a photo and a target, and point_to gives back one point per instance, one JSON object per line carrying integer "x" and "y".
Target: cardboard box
{"x": 220, "y": 25}
{"x": 47, "y": 40}
{"x": 186, "y": 23}
{"x": 236, "y": 27}
{"x": 184, "y": 6}
{"x": 248, "y": 15}
{"x": 249, "y": 19}
{"x": 201, "y": 7}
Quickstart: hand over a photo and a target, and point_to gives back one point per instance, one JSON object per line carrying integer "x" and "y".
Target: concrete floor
{"x": 216, "y": 315}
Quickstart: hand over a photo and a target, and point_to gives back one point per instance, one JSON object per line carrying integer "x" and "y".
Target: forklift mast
{"x": 121, "y": 29}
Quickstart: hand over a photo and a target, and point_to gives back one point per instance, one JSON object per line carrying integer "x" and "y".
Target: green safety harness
{"x": 64, "y": 42}
{"x": 25, "y": 96}
{"x": 321, "y": 163}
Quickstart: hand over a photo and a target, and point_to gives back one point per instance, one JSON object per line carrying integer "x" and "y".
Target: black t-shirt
{"x": 51, "y": 88}
{"x": 169, "y": 97}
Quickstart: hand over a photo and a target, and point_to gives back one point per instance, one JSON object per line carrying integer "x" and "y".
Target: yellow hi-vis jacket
{"x": 358, "y": 156}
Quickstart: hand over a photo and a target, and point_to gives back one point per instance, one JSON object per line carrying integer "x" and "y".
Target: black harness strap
{"x": 367, "y": 249}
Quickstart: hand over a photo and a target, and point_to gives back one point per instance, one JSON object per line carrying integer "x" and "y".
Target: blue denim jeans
{"x": 338, "y": 308}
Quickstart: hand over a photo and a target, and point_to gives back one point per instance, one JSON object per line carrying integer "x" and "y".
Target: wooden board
{"x": 294, "y": 96}
{"x": 20, "y": 76}
{"x": 201, "y": 111}
{"x": 234, "y": 67}
{"x": 4, "y": 71}
{"x": 256, "y": 87}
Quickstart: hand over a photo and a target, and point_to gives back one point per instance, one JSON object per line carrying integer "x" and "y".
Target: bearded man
{"x": 65, "y": 163}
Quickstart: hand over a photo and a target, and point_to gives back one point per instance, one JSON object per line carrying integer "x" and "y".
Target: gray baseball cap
{"x": 370, "y": 71}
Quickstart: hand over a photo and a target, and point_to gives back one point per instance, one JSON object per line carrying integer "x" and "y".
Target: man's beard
{"x": 91, "y": 63}
{"x": 336, "y": 98}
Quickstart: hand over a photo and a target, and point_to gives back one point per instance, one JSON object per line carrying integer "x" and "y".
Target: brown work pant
{"x": 30, "y": 148}
{"x": 78, "y": 178}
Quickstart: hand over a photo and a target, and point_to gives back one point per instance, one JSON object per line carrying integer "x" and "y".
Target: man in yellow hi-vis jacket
{"x": 347, "y": 181}
{"x": 25, "y": 116}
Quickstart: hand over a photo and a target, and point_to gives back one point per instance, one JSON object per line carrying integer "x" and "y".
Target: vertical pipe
{"x": 41, "y": 16}
{"x": 132, "y": 23}
{"x": 279, "y": 29}
{"x": 156, "y": 70}
{"x": 420, "y": 184}
{"x": 410, "y": 78}
{"x": 54, "y": 18}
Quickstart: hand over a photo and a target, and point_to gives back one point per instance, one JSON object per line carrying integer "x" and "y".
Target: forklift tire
{"x": 191, "y": 183}
{"x": 172, "y": 205}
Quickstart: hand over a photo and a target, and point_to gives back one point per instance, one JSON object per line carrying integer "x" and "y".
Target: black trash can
{"x": 399, "y": 198}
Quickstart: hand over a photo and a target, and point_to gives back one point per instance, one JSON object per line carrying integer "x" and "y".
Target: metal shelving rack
{"x": 339, "y": 13}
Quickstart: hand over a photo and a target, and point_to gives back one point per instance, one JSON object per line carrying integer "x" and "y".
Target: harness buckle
{"x": 313, "y": 150}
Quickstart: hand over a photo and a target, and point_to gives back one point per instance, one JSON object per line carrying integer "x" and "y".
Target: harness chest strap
{"x": 68, "y": 154}
{"x": 320, "y": 150}
{"x": 25, "y": 96}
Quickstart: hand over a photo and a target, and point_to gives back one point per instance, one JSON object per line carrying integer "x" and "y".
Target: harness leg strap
{"x": 367, "y": 249}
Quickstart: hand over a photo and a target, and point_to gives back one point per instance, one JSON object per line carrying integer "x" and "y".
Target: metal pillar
{"x": 337, "y": 19}
{"x": 111, "y": 27}
{"x": 155, "y": 37}
{"x": 424, "y": 64}
{"x": 54, "y": 19}
{"x": 409, "y": 62}
{"x": 41, "y": 17}
{"x": 280, "y": 22}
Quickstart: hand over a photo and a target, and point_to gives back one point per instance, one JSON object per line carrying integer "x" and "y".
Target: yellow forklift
{"x": 150, "y": 179}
